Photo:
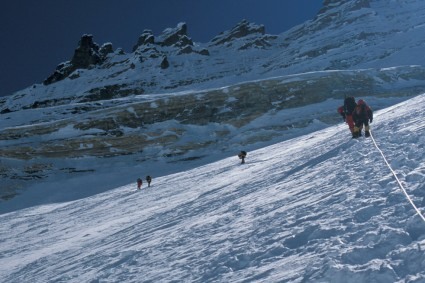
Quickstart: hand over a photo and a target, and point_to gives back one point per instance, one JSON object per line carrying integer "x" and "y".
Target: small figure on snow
{"x": 346, "y": 111}
{"x": 362, "y": 115}
{"x": 149, "y": 180}
{"x": 139, "y": 183}
{"x": 242, "y": 156}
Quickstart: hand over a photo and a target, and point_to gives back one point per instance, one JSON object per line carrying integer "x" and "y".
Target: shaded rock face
{"x": 164, "y": 63}
{"x": 257, "y": 43}
{"x": 188, "y": 49}
{"x": 62, "y": 71}
{"x": 243, "y": 29}
{"x": 204, "y": 52}
{"x": 175, "y": 36}
{"x": 106, "y": 49}
{"x": 147, "y": 46}
{"x": 145, "y": 38}
{"x": 88, "y": 53}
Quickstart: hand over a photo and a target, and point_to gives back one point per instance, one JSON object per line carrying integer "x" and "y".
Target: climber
{"x": 149, "y": 180}
{"x": 242, "y": 156}
{"x": 346, "y": 112}
{"x": 139, "y": 183}
{"x": 362, "y": 115}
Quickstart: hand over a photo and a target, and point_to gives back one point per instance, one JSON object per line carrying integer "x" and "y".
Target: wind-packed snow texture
{"x": 320, "y": 207}
{"x": 317, "y": 207}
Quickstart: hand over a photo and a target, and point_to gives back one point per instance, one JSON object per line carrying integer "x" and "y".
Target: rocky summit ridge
{"x": 174, "y": 99}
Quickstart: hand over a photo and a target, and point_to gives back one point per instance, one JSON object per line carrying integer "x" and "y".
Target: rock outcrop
{"x": 175, "y": 36}
{"x": 164, "y": 63}
{"x": 145, "y": 38}
{"x": 87, "y": 54}
{"x": 171, "y": 37}
{"x": 242, "y": 29}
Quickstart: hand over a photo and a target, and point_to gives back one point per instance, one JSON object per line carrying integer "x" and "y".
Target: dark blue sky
{"x": 38, "y": 35}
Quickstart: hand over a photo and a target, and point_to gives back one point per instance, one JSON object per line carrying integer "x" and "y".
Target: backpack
{"x": 349, "y": 105}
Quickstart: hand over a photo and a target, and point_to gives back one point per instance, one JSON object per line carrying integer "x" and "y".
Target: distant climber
{"x": 346, "y": 112}
{"x": 149, "y": 180}
{"x": 139, "y": 183}
{"x": 362, "y": 115}
{"x": 242, "y": 156}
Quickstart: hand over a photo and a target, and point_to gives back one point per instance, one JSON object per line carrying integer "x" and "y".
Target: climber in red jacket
{"x": 346, "y": 111}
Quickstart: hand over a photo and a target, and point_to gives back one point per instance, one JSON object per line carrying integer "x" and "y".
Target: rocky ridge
{"x": 344, "y": 35}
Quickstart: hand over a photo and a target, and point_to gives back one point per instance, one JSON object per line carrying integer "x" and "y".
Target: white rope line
{"x": 398, "y": 181}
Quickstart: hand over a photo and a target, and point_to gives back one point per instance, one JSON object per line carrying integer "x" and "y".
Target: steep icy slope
{"x": 316, "y": 208}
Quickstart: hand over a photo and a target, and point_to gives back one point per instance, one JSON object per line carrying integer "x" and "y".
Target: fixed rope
{"x": 398, "y": 181}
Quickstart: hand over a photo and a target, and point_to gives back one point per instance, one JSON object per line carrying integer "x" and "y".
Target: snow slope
{"x": 320, "y": 207}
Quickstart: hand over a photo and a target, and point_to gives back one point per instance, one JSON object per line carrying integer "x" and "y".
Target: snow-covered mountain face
{"x": 316, "y": 208}
{"x": 172, "y": 99}
{"x": 360, "y": 34}
{"x": 344, "y": 35}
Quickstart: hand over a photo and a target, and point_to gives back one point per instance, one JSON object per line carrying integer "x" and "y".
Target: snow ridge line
{"x": 398, "y": 181}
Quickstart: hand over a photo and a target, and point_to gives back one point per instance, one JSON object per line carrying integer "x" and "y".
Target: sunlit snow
{"x": 320, "y": 207}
